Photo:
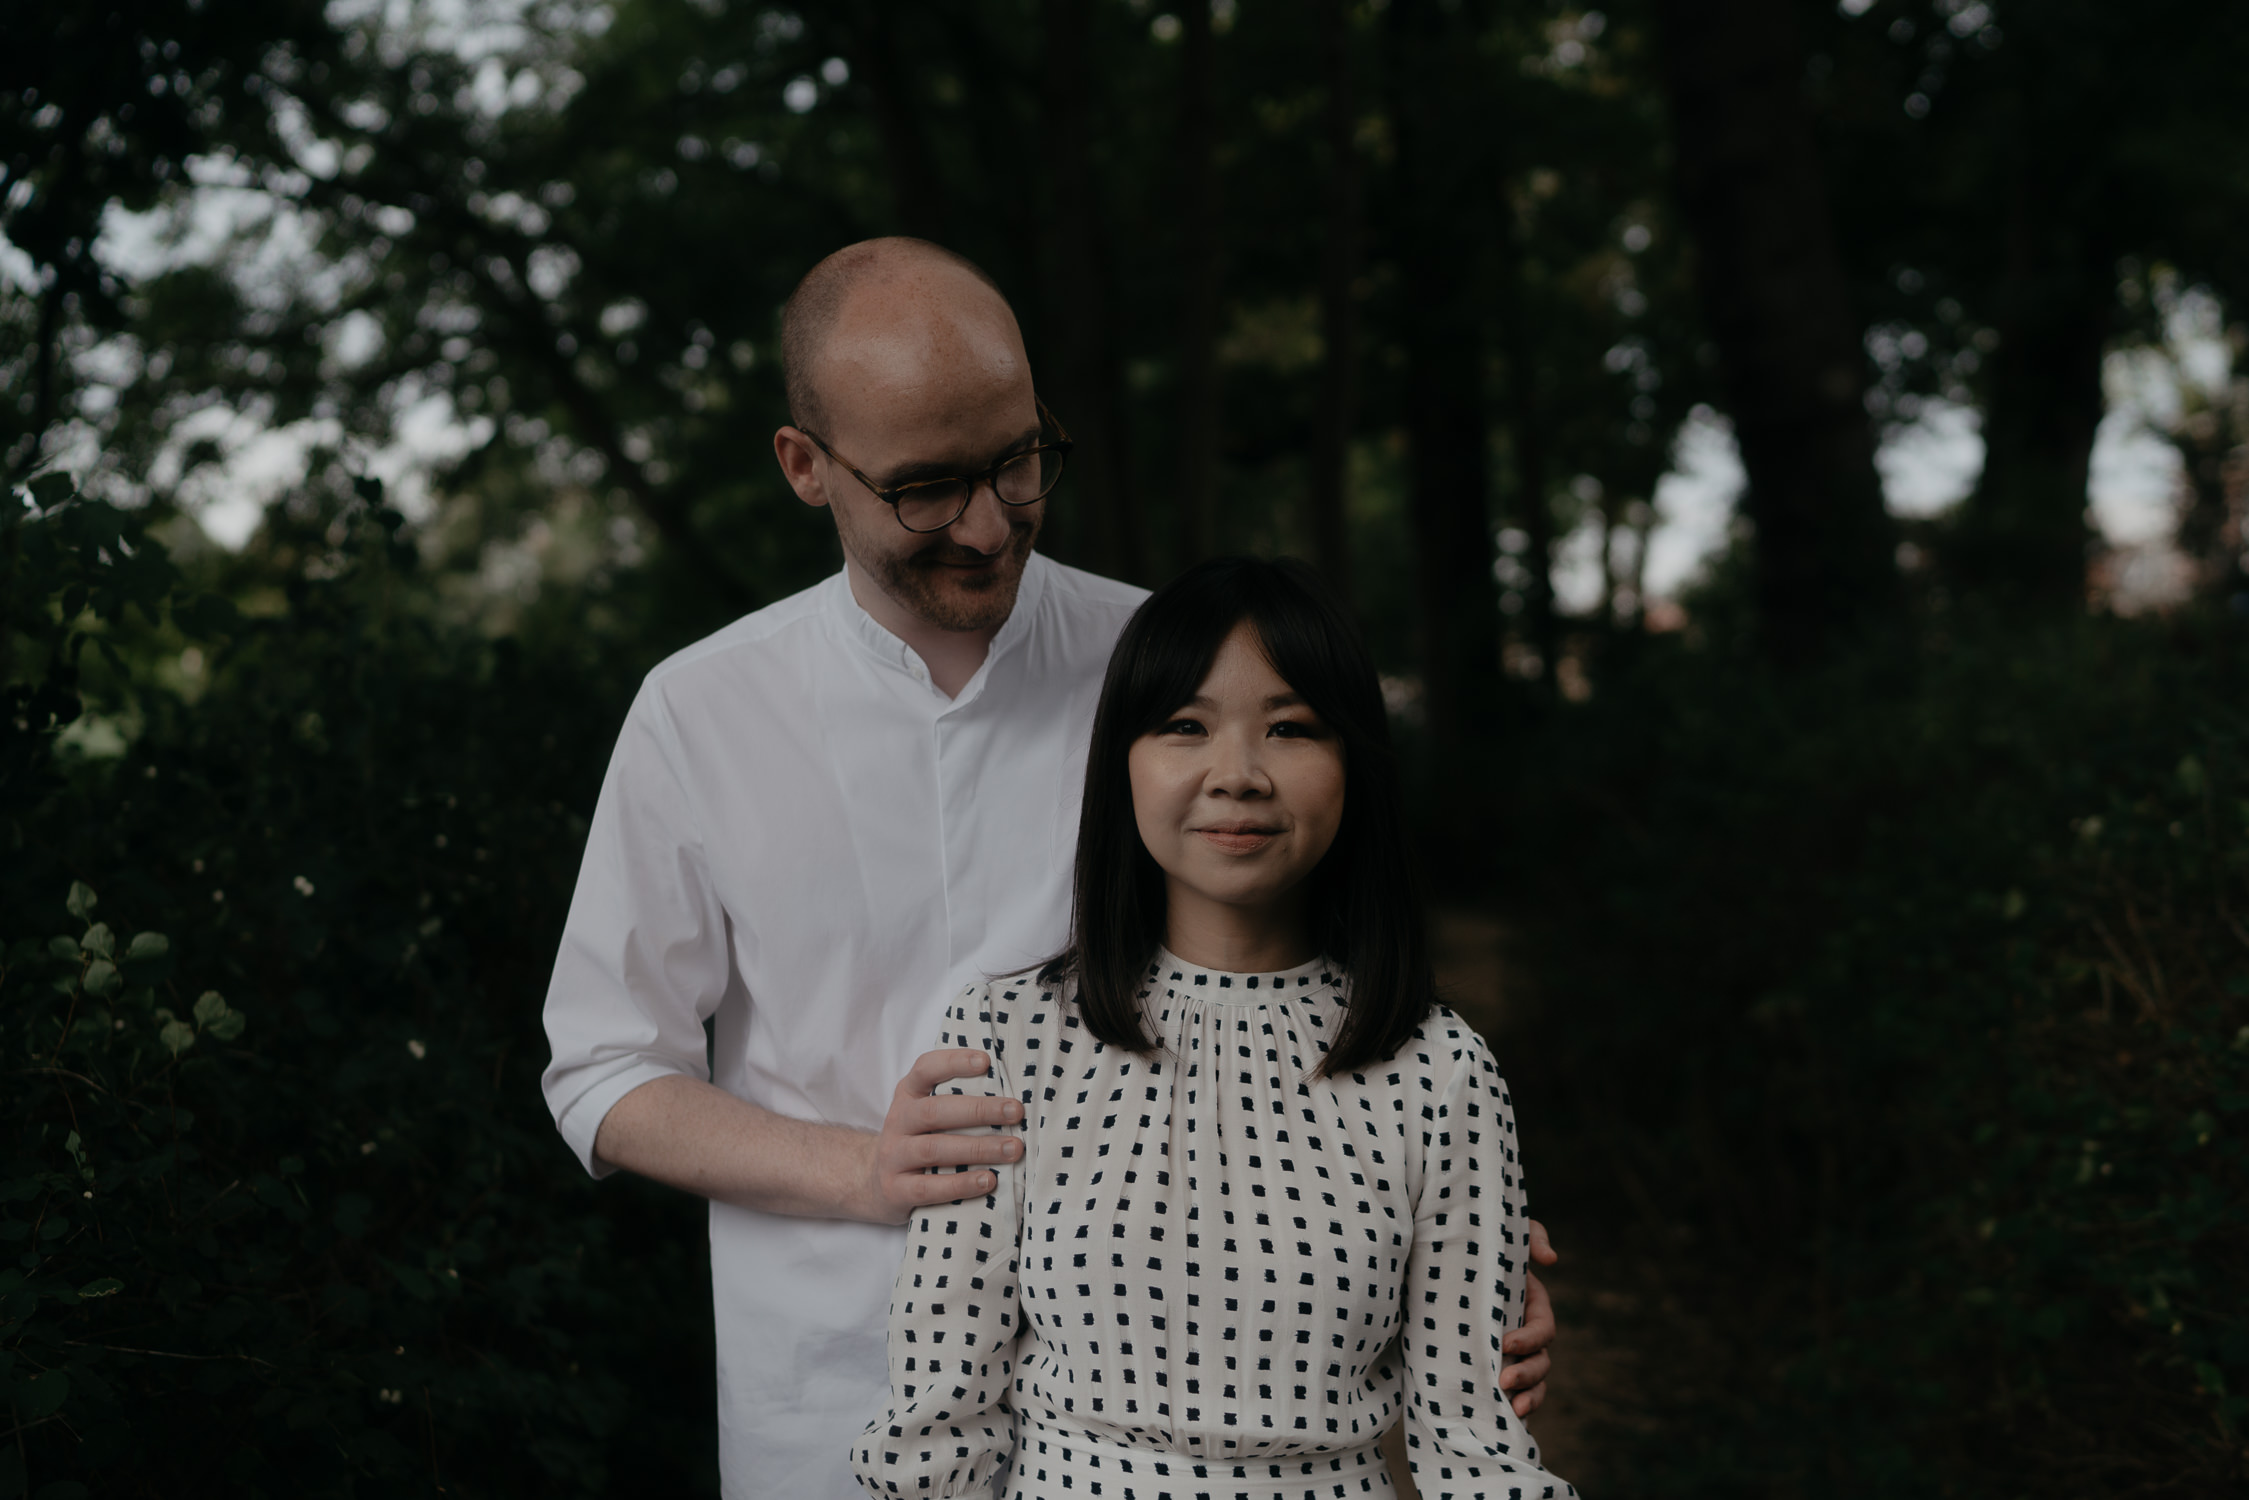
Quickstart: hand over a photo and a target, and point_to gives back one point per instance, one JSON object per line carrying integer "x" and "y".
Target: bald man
{"x": 818, "y": 825}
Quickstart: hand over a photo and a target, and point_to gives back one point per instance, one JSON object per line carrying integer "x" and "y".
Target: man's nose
{"x": 983, "y": 527}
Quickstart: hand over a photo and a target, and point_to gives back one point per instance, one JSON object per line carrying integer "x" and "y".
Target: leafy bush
{"x": 1904, "y": 1009}
{"x": 283, "y": 1212}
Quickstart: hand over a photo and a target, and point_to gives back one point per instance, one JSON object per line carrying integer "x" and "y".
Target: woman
{"x": 1269, "y": 1195}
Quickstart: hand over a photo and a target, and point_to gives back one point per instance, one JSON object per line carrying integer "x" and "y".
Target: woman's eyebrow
{"x": 920, "y": 470}
{"x": 1204, "y": 702}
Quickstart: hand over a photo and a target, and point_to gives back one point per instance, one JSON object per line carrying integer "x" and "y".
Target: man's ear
{"x": 800, "y": 463}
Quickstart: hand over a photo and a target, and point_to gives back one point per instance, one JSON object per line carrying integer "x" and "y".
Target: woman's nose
{"x": 1238, "y": 766}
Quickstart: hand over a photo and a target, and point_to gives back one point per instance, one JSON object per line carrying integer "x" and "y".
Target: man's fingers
{"x": 1525, "y": 1373}
{"x": 942, "y": 1066}
{"x": 921, "y": 1189}
{"x": 921, "y": 1152}
{"x": 956, "y": 1112}
{"x": 1538, "y": 1321}
{"x": 1542, "y": 1250}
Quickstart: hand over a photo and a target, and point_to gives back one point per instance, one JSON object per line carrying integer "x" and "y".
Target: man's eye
{"x": 938, "y": 491}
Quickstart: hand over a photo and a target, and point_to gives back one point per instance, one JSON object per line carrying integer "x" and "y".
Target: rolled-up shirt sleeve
{"x": 644, "y": 958}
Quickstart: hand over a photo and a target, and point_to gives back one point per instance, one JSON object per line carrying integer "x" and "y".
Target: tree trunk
{"x": 1534, "y": 506}
{"x": 1774, "y": 296}
{"x": 2022, "y": 537}
{"x": 1339, "y": 313}
{"x": 1198, "y": 292}
{"x": 869, "y": 42}
{"x": 2213, "y": 526}
{"x": 1087, "y": 393}
{"x": 1438, "y": 164}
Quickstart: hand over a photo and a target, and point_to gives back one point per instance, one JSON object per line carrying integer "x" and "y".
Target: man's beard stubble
{"x": 922, "y": 582}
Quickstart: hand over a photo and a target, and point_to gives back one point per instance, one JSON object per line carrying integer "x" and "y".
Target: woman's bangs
{"x": 1171, "y": 666}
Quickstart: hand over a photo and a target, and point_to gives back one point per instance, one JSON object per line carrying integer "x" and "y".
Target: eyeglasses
{"x": 933, "y": 504}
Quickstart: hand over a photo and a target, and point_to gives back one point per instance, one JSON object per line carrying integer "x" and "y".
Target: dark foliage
{"x": 282, "y": 1211}
{"x": 1900, "y": 1015}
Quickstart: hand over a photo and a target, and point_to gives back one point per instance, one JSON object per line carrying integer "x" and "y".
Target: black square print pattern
{"x": 1213, "y": 1273}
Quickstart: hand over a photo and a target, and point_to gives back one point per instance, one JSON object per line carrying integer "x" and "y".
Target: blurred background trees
{"x": 413, "y": 366}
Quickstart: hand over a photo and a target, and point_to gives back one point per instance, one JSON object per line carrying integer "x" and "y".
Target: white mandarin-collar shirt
{"x": 806, "y": 843}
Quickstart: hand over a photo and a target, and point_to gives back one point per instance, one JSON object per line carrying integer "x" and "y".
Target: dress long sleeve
{"x": 1464, "y": 1287}
{"x": 955, "y": 1319}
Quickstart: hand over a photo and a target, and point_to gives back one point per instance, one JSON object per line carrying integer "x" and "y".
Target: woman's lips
{"x": 1242, "y": 838}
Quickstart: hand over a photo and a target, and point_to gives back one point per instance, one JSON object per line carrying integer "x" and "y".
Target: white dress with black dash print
{"x": 1212, "y": 1273}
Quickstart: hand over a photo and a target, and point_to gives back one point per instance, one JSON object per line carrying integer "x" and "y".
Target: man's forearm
{"x": 697, "y": 1137}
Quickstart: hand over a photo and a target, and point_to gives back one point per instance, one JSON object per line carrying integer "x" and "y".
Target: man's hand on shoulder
{"x": 1528, "y": 1344}
{"x": 916, "y": 1136}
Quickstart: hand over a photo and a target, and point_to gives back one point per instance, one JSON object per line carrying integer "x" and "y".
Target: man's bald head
{"x": 917, "y": 269}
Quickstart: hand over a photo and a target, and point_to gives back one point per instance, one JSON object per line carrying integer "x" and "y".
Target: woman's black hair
{"x": 1365, "y": 903}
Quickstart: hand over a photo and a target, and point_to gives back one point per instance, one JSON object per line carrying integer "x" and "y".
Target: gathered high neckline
{"x": 1174, "y": 977}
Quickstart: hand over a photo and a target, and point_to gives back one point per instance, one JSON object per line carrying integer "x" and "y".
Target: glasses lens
{"x": 932, "y": 507}
{"x": 1024, "y": 479}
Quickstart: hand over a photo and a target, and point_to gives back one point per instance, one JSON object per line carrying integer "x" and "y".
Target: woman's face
{"x": 1239, "y": 794}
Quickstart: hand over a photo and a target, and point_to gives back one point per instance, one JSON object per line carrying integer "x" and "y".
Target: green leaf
{"x": 43, "y": 1395}
{"x": 229, "y": 1026}
{"x": 64, "y": 948}
{"x": 209, "y": 1008}
{"x": 148, "y": 945}
{"x": 103, "y": 979}
{"x": 82, "y": 899}
{"x": 2192, "y": 778}
{"x": 103, "y": 1286}
{"x": 99, "y": 941}
{"x": 178, "y": 1036}
{"x": 2213, "y": 1379}
{"x": 207, "y": 615}
{"x": 351, "y": 1216}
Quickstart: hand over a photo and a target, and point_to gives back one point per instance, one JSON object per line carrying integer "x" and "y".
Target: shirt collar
{"x": 886, "y": 648}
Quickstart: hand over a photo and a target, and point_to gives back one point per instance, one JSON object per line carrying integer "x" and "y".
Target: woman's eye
{"x": 1182, "y": 726}
{"x": 1294, "y": 729}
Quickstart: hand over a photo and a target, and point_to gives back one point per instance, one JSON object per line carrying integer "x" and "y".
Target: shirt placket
{"x": 955, "y": 739}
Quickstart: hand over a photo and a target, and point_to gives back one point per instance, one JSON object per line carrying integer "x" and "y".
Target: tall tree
{"x": 2004, "y": 164}
{"x": 101, "y": 108}
{"x": 870, "y": 33}
{"x": 1079, "y": 319}
{"x": 1339, "y": 304}
{"x": 1528, "y": 434}
{"x": 1199, "y": 252}
{"x": 1436, "y": 234}
{"x": 1777, "y": 304}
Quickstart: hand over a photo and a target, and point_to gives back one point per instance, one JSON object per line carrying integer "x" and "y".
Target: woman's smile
{"x": 1239, "y": 838}
{"x": 1238, "y": 796}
